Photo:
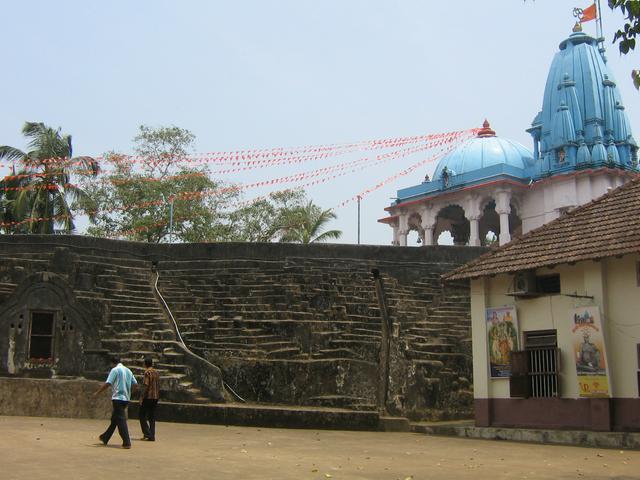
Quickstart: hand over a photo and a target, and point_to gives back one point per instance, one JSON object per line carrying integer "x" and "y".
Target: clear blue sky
{"x": 254, "y": 74}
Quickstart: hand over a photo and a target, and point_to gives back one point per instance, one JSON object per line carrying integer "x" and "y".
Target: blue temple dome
{"x": 483, "y": 151}
{"x": 582, "y": 120}
{"x": 480, "y": 160}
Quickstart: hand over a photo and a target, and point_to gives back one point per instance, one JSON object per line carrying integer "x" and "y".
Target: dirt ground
{"x": 54, "y": 448}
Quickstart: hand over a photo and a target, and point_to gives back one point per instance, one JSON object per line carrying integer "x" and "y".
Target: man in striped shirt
{"x": 121, "y": 381}
{"x": 149, "y": 400}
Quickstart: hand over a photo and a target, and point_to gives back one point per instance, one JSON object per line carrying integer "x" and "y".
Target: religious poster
{"x": 502, "y": 333}
{"x": 589, "y": 352}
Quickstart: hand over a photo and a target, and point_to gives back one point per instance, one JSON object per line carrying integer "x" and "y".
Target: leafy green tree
{"x": 40, "y": 194}
{"x": 626, "y": 36}
{"x": 136, "y": 198}
{"x": 265, "y": 220}
{"x": 306, "y": 224}
{"x": 9, "y": 188}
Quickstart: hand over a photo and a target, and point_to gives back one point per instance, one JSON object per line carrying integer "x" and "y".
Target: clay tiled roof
{"x": 605, "y": 227}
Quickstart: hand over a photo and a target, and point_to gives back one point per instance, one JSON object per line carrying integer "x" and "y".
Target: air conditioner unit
{"x": 524, "y": 282}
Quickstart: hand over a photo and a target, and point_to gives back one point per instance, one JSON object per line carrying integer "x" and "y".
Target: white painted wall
{"x": 612, "y": 283}
{"x": 544, "y": 201}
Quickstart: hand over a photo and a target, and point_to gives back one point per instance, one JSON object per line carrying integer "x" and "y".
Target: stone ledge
{"x": 265, "y": 416}
{"x": 579, "y": 438}
{"x": 53, "y": 398}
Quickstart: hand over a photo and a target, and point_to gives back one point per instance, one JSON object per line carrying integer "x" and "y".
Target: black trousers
{"x": 118, "y": 419}
{"x": 147, "y": 414}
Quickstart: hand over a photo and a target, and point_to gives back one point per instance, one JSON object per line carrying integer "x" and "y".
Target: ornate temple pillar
{"x": 472, "y": 213}
{"x": 474, "y": 230}
{"x": 403, "y": 228}
{"x": 428, "y": 224}
{"x": 402, "y": 237}
{"x": 396, "y": 236}
{"x": 427, "y": 235}
{"x": 503, "y": 208}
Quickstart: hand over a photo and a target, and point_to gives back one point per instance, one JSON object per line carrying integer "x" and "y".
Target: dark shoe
{"x": 102, "y": 440}
{"x": 126, "y": 446}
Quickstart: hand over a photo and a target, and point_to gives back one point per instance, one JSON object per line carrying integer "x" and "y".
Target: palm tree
{"x": 306, "y": 224}
{"x": 39, "y": 196}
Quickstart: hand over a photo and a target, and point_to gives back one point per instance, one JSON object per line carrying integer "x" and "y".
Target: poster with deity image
{"x": 502, "y": 334}
{"x": 589, "y": 351}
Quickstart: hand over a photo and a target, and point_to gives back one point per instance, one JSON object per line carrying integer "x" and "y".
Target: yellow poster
{"x": 589, "y": 352}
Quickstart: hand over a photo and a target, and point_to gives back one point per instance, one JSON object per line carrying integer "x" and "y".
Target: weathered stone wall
{"x": 52, "y": 398}
{"x": 364, "y": 327}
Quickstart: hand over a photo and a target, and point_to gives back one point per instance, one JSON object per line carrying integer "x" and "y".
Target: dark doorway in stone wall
{"x": 41, "y": 337}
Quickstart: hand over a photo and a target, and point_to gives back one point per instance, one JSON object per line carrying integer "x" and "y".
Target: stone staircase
{"x": 256, "y": 317}
{"x": 435, "y": 331}
{"x": 137, "y": 326}
{"x": 265, "y": 314}
{"x": 286, "y": 324}
{"x": 261, "y": 311}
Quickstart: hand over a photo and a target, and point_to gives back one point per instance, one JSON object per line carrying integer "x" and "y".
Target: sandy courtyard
{"x": 53, "y": 448}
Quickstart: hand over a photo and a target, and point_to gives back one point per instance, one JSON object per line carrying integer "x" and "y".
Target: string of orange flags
{"x": 325, "y": 170}
{"x": 55, "y": 218}
{"x": 307, "y": 184}
{"x": 394, "y": 177}
{"x": 115, "y": 181}
{"x": 304, "y": 179}
{"x": 362, "y": 194}
{"x": 253, "y": 156}
{"x": 41, "y": 186}
{"x": 249, "y": 166}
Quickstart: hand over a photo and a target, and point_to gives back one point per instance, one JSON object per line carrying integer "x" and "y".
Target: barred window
{"x": 534, "y": 370}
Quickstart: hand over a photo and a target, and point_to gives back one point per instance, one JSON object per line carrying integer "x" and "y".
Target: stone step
{"x": 163, "y": 334}
{"x": 264, "y": 346}
{"x": 339, "y": 401}
{"x": 455, "y": 361}
{"x": 125, "y": 307}
{"x": 288, "y": 352}
{"x": 131, "y": 288}
{"x": 272, "y": 314}
{"x": 117, "y": 297}
{"x": 245, "y": 339}
{"x": 171, "y": 367}
{"x": 128, "y": 325}
{"x": 233, "y": 353}
{"x": 336, "y": 353}
{"x": 129, "y": 315}
{"x": 432, "y": 347}
{"x": 361, "y": 337}
{"x": 141, "y": 344}
{"x": 431, "y": 367}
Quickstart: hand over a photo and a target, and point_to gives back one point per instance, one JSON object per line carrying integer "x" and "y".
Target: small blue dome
{"x": 485, "y": 150}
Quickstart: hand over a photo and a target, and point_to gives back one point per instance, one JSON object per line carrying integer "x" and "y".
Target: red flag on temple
{"x": 589, "y": 13}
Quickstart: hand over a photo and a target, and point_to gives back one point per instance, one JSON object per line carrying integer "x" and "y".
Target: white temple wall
{"x": 533, "y": 210}
{"x": 584, "y": 190}
{"x": 546, "y": 202}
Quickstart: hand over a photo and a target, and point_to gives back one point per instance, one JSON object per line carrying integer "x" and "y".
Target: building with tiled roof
{"x": 493, "y": 188}
{"x": 606, "y": 227}
{"x": 556, "y": 339}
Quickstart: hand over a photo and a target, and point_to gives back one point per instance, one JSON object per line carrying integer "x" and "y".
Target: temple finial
{"x": 486, "y": 130}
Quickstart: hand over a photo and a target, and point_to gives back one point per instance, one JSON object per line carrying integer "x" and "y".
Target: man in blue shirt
{"x": 121, "y": 381}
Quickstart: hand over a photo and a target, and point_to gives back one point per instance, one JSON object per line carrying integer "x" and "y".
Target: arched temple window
{"x": 452, "y": 218}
